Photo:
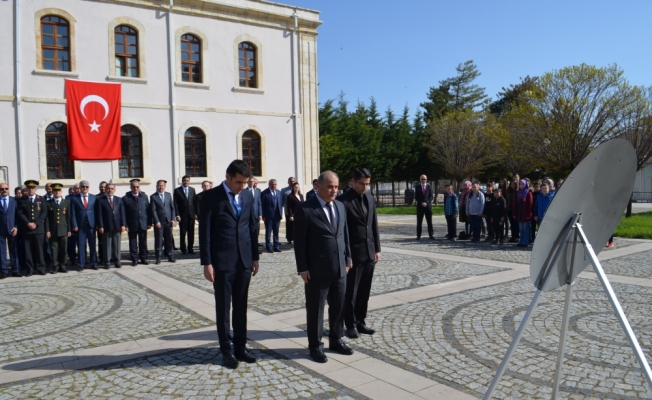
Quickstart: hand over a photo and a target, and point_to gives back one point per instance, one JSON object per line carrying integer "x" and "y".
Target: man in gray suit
{"x": 323, "y": 259}
{"x": 164, "y": 215}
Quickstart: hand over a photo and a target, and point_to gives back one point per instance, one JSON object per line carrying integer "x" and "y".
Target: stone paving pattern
{"x": 194, "y": 373}
{"x": 62, "y": 313}
{"x": 277, "y": 287}
{"x": 636, "y": 265}
{"x": 460, "y": 340}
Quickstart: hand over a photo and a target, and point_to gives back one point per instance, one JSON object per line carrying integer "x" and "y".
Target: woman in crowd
{"x": 463, "y": 217}
{"x": 522, "y": 212}
{"x": 294, "y": 199}
{"x": 510, "y": 197}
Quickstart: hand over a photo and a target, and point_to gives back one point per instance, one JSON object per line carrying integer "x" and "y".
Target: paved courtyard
{"x": 444, "y": 313}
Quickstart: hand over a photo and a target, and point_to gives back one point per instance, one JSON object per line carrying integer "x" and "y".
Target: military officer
{"x": 58, "y": 228}
{"x": 31, "y": 213}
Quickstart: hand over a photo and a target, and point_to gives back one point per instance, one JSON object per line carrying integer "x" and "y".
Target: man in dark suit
{"x": 252, "y": 189}
{"x": 228, "y": 247}
{"x": 8, "y": 229}
{"x": 285, "y": 192}
{"x": 205, "y": 186}
{"x": 423, "y": 194}
{"x": 83, "y": 222}
{"x": 98, "y": 237}
{"x": 31, "y": 214}
{"x": 136, "y": 205}
{"x": 111, "y": 222}
{"x": 73, "y": 241}
{"x": 312, "y": 192}
{"x": 58, "y": 228}
{"x": 164, "y": 217}
{"x": 184, "y": 202}
{"x": 272, "y": 206}
{"x": 323, "y": 259}
{"x": 362, "y": 222}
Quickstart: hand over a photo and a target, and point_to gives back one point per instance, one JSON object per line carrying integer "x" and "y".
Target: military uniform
{"x": 32, "y": 210}
{"x": 58, "y": 225}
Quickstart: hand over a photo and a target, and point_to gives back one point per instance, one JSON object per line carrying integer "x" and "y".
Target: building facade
{"x": 203, "y": 82}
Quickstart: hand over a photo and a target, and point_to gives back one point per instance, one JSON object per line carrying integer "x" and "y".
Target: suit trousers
{"x": 476, "y": 227}
{"x": 14, "y": 252}
{"x": 137, "y": 245}
{"x": 100, "y": 248}
{"x": 289, "y": 229}
{"x": 358, "y": 290}
{"x": 318, "y": 292}
{"x": 269, "y": 227}
{"x": 187, "y": 228}
{"x": 34, "y": 253}
{"x": 232, "y": 288}
{"x": 4, "y": 244}
{"x": 86, "y": 237}
{"x": 163, "y": 241}
{"x": 73, "y": 247}
{"x": 499, "y": 229}
{"x": 451, "y": 223}
{"x": 111, "y": 243}
{"x": 427, "y": 211}
{"x": 59, "y": 245}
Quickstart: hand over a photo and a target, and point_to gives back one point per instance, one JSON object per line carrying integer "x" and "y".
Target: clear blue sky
{"x": 396, "y": 50}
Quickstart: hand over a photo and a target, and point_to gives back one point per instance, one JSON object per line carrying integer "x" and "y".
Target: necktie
{"x": 185, "y": 189}
{"x": 162, "y": 198}
{"x": 85, "y": 202}
{"x": 57, "y": 202}
{"x": 31, "y": 199}
{"x": 4, "y": 203}
{"x": 332, "y": 217}
{"x": 274, "y": 197}
{"x": 424, "y": 189}
{"x": 136, "y": 197}
{"x": 238, "y": 209}
{"x": 111, "y": 202}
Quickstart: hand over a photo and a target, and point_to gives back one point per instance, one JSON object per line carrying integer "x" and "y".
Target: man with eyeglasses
{"x": 136, "y": 204}
{"x": 423, "y": 194}
{"x": 83, "y": 222}
{"x": 164, "y": 216}
{"x": 8, "y": 230}
{"x": 31, "y": 214}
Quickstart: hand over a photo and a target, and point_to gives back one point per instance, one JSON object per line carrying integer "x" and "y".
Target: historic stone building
{"x": 203, "y": 82}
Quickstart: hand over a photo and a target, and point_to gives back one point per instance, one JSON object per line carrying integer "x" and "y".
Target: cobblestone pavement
{"x": 460, "y": 339}
{"x": 48, "y": 316}
{"x": 635, "y": 265}
{"x": 194, "y": 373}
{"x": 277, "y": 287}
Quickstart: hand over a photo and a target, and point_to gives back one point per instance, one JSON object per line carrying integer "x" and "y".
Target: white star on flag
{"x": 94, "y": 127}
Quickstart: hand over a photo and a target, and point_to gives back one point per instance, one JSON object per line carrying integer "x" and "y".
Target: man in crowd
{"x": 451, "y": 210}
{"x": 100, "y": 245}
{"x": 228, "y": 247}
{"x": 498, "y": 215}
{"x": 312, "y": 192}
{"x": 184, "y": 202}
{"x": 423, "y": 194}
{"x": 138, "y": 221}
{"x": 111, "y": 221}
{"x": 285, "y": 192}
{"x": 58, "y": 227}
{"x": 323, "y": 259}
{"x": 205, "y": 186}
{"x": 252, "y": 188}
{"x": 18, "y": 263}
{"x": 83, "y": 222}
{"x": 272, "y": 205}
{"x": 486, "y": 214}
{"x": 8, "y": 230}
{"x": 73, "y": 241}
{"x": 31, "y": 214}
{"x": 364, "y": 241}
{"x": 163, "y": 215}
{"x": 47, "y": 252}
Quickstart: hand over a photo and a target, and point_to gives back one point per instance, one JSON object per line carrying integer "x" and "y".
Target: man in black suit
{"x": 362, "y": 221}
{"x": 252, "y": 188}
{"x": 323, "y": 259}
{"x": 228, "y": 247}
{"x": 205, "y": 186}
{"x": 312, "y": 192}
{"x": 184, "y": 201}
{"x": 136, "y": 205}
{"x": 31, "y": 214}
{"x": 164, "y": 217}
{"x": 272, "y": 204}
{"x": 111, "y": 221}
{"x": 98, "y": 238}
{"x": 423, "y": 194}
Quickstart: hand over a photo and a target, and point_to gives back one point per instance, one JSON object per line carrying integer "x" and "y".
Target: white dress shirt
{"x": 325, "y": 206}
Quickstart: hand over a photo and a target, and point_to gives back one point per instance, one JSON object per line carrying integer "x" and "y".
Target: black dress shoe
{"x": 362, "y": 328}
{"x": 158, "y": 261}
{"x": 184, "y": 252}
{"x": 3, "y": 276}
{"x": 432, "y": 237}
{"x": 318, "y": 355}
{"x": 54, "y": 271}
{"x": 171, "y": 259}
{"x": 134, "y": 263}
{"x": 42, "y": 272}
{"x": 351, "y": 333}
{"x": 118, "y": 265}
{"x": 242, "y": 354}
{"x": 277, "y": 250}
{"x": 229, "y": 359}
{"x": 107, "y": 266}
{"x": 270, "y": 251}
{"x": 191, "y": 252}
{"x": 418, "y": 237}
{"x": 94, "y": 267}
{"x": 144, "y": 262}
{"x": 338, "y": 346}
{"x": 79, "y": 269}
{"x": 64, "y": 270}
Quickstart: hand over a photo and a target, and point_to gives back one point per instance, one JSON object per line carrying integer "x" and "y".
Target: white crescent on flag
{"x": 94, "y": 98}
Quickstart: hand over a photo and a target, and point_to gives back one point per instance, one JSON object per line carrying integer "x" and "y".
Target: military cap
{"x": 134, "y": 180}
{"x": 56, "y": 186}
{"x": 31, "y": 183}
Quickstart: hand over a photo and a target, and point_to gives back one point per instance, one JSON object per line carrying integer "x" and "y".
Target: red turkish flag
{"x": 94, "y": 115}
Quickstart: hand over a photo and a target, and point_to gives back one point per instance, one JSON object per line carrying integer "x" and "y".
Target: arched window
{"x": 126, "y": 51}
{"x": 247, "y": 65}
{"x": 131, "y": 164}
{"x": 195, "y": 145}
{"x": 191, "y": 59}
{"x": 56, "y": 143}
{"x": 251, "y": 151}
{"x": 55, "y": 43}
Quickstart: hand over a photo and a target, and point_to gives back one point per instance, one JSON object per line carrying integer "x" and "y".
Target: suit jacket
{"x": 224, "y": 239}
{"x": 311, "y": 193}
{"x": 421, "y": 198}
{"x": 8, "y": 220}
{"x": 258, "y": 204}
{"x": 363, "y": 232}
{"x": 285, "y": 192}
{"x": 185, "y": 206}
{"x": 58, "y": 221}
{"x": 111, "y": 219}
{"x": 162, "y": 212}
{"x": 197, "y": 201}
{"x": 137, "y": 212}
{"x": 317, "y": 249}
{"x": 81, "y": 215}
{"x": 270, "y": 211}
{"x": 36, "y": 212}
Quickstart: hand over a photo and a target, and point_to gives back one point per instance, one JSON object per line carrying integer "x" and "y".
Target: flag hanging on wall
{"x": 93, "y": 110}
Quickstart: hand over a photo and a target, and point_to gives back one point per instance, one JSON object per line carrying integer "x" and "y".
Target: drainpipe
{"x": 19, "y": 124}
{"x": 173, "y": 116}
{"x": 294, "y": 59}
